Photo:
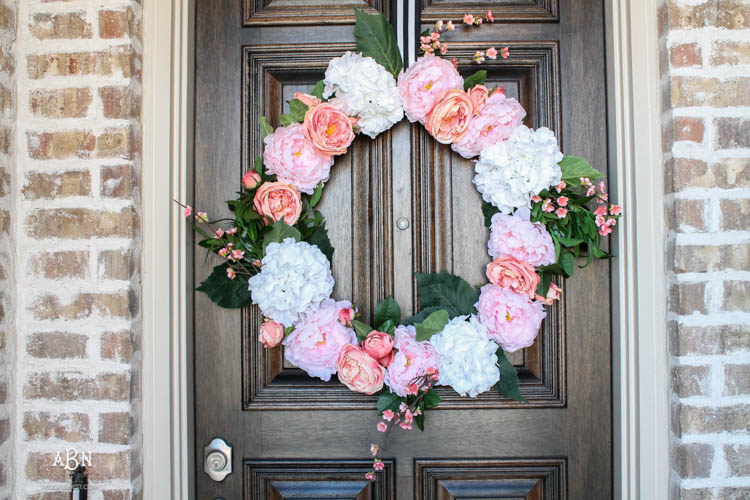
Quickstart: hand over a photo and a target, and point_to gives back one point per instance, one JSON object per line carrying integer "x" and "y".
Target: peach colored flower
{"x": 251, "y": 179}
{"x": 449, "y": 118}
{"x": 495, "y": 122}
{"x": 277, "y": 200}
{"x": 307, "y": 99}
{"x": 293, "y": 159}
{"x": 478, "y": 95}
{"x": 425, "y": 81}
{"x": 359, "y": 371}
{"x": 512, "y": 274}
{"x": 379, "y": 345}
{"x": 329, "y": 129}
{"x": 271, "y": 333}
{"x": 553, "y": 294}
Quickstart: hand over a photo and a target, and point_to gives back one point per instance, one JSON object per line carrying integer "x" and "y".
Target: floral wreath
{"x": 276, "y": 252}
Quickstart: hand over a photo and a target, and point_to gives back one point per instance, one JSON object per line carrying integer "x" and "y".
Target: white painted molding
{"x": 166, "y": 348}
{"x": 640, "y": 363}
{"x": 640, "y": 355}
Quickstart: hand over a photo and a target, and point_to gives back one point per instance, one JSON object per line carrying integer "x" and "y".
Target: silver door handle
{"x": 217, "y": 459}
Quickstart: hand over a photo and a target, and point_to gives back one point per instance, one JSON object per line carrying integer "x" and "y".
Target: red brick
{"x": 114, "y": 428}
{"x": 57, "y": 345}
{"x": 732, "y": 133}
{"x": 710, "y": 419}
{"x": 60, "y": 26}
{"x": 44, "y": 185}
{"x": 691, "y": 380}
{"x": 730, "y": 52}
{"x": 55, "y": 265}
{"x": 117, "y": 61}
{"x": 84, "y": 305}
{"x": 74, "y": 386}
{"x": 735, "y": 214}
{"x": 117, "y": 346}
{"x": 107, "y": 466}
{"x": 60, "y": 103}
{"x": 694, "y": 460}
{"x": 77, "y": 223}
{"x": 699, "y": 91}
{"x": 685, "y": 55}
{"x": 688, "y": 129}
{"x": 729, "y": 14}
{"x": 71, "y": 427}
{"x": 40, "y": 467}
{"x": 119, "y": 102}
{"x": 117, "y": 264}
{"x": 736, "y": 296}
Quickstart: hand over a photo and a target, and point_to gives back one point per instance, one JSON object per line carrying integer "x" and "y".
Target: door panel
{"x": 298, "y": 437}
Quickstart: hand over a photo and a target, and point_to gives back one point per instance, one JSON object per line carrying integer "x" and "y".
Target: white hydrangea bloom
{"x": 510, "y": 172}
{"x": 364, "y": 89}
{"x": 295, "y": 277}
{"x": 468, "y": 362}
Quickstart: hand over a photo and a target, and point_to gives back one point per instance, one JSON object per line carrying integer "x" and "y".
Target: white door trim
{"x": 640, "y": 363}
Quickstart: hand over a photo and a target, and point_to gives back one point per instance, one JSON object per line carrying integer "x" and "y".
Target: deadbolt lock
{"x": 217, "y": 459}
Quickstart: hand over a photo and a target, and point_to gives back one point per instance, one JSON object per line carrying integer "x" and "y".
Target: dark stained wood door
{"x": 295, "y": 437}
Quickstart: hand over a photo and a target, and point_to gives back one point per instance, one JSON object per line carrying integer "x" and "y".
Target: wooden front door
{"x": 297, "y": 437}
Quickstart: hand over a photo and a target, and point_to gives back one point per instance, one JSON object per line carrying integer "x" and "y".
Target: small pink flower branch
{"x": 429, "y": 44}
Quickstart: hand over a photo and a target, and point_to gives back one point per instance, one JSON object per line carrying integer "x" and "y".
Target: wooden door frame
{"x": 639, "y": 322}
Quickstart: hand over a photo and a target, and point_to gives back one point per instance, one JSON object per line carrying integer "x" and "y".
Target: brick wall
{"x": 706, "y": 88}
{"x": 75, "y": 230}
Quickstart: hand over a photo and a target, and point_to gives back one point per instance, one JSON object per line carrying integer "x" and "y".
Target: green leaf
{"x": 229, "y": 294}
{"x": 447, "y": 291}
{"x": 297, "y": 109}
{"x": 278, "y": 233}
{"x": 421, "y": 316}
{"x": 258, "y": 165}
{"x": 315, "y": 198}
{"x": 317, "y": 91}
{"x": 419, "y": 420}
{"x": 573, "y": 168}
{"x": 431, "y": 399}
{"x": 288, "y": 330}
{"x": 477, "y": 78}
{"x": 286, "y": 120}
{"x": 567, "y": 262}
{"x": 387, "y": 310}
{"x": 375, "y": 38}
{"x": 265, "y": 128}
{"x": 320, "y": 239}
{"x": 434, "y": 323}
{"x": 508, "y": 384}
{"x": 361, "y": 329}
{"x": 488, "y": 210}
{"x": 389, "y": 401}
{"x": 388, "y": 327}
{"x": 569, "y": 242}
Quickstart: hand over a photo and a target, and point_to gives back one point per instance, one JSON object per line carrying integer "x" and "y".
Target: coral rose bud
{"x": 251, "y": 179}
{"x": 553, "y": 294}
{"x": 379, "y": 345}
{"x": 307, "y": 99}
{"x": 276, "y": 200}
{"x": 358, "y": 371}
{"x": 346, "y": 316}
{"x": 271, "y": 333}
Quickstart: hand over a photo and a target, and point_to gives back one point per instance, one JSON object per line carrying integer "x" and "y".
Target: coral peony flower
{"x": 413, "y": 359}
{"x": 514, "y": 275}
{"x": 379, "y": 345}
{"x": 478, "y": 95}
{"x": 277, "y": 200}
{"x": 554, "y": 293}
{"x": 294, "y": 160}
{"x": 495, "y": 122}
{"x": 423, "y": 82}
{"x": 512, "y": 320}
{"x": 449, "y": 118}
{"x": 307, "y": 99}
{"x": 359, "y": 371}
{"x": 516, "y": 236}
{"x": 251, "y": 179}
{"x": 271, "y": 333}
{"x": 329, "y": 129}
{"x": 317, "y": 339}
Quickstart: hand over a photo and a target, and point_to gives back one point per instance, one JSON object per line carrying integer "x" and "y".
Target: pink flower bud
{"x": 561, "y": 212}
{"x": 370, "y": 476}
{"x": 562, "y": 201}
{"x": 388, "y": 415}
{"x": 490, "y": 17}
{"x": 271, "y": 333}
{"x": 251, "y": 179}
{"x": 492, "y": 53}
{"x": 378, "y": 465}
{"x": 382, "y": 427}
{"x": 231, "y": 273}
{"x": 346, "y": 316}
{"x": 188, "y": 211}
{"x": 468, "y": 19}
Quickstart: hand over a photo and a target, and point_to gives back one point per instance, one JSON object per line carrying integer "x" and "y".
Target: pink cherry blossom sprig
{"x": 430, "y": 39}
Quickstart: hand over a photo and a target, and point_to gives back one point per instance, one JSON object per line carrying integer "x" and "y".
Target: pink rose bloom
{"x": 413, "y": 359}
{"x": 448, "y": 120}
{"x": 425, "y": 81}
{"x": 271, "y": 333}
{"x": 514, "y": 275}
{"x": 478, "y": 95}
{"x": 291, "y": 157}
{"x": 358, "y": 371}
{"x": 251, "y": 179}
{"x": 554, "y": 293}
{"x": 317, "y": 338}
{"x": 329, "y": 129}
{"x": 516, "y": 236}
{"x": 276, "y": 200}
{"x": 512, "y": 320}
{"x": 496, "y": 121}
{"x": 379, "y": 345}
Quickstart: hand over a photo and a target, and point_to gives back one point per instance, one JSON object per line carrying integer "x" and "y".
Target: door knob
{"x": 217, "y": 459}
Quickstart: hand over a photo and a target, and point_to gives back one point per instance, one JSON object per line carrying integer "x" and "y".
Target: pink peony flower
{"x": 293, "y": 159}
{"x": 271, "y": 333}
{"x": 425, "y": 81}
{"x": 251, "y": 179}
{"x": 413, "y": 359}
{"x": 277, "y": 200}
{"x": 512, "y": 320}
{"x": 329, "y": 129}
{"x": 554, "y": 293}
{"x": 516, "y": 236}
{"x": 379, "y": 345}
{"x": 359, "y": 371}
{"x": 448, "y": 120}
{"x": 496, "y": 121}
{"x": 478, "y": 95}
{"x": 307, "y": 99}
{"x": 514, "y": 275}
{"x": 317, "y": 338}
